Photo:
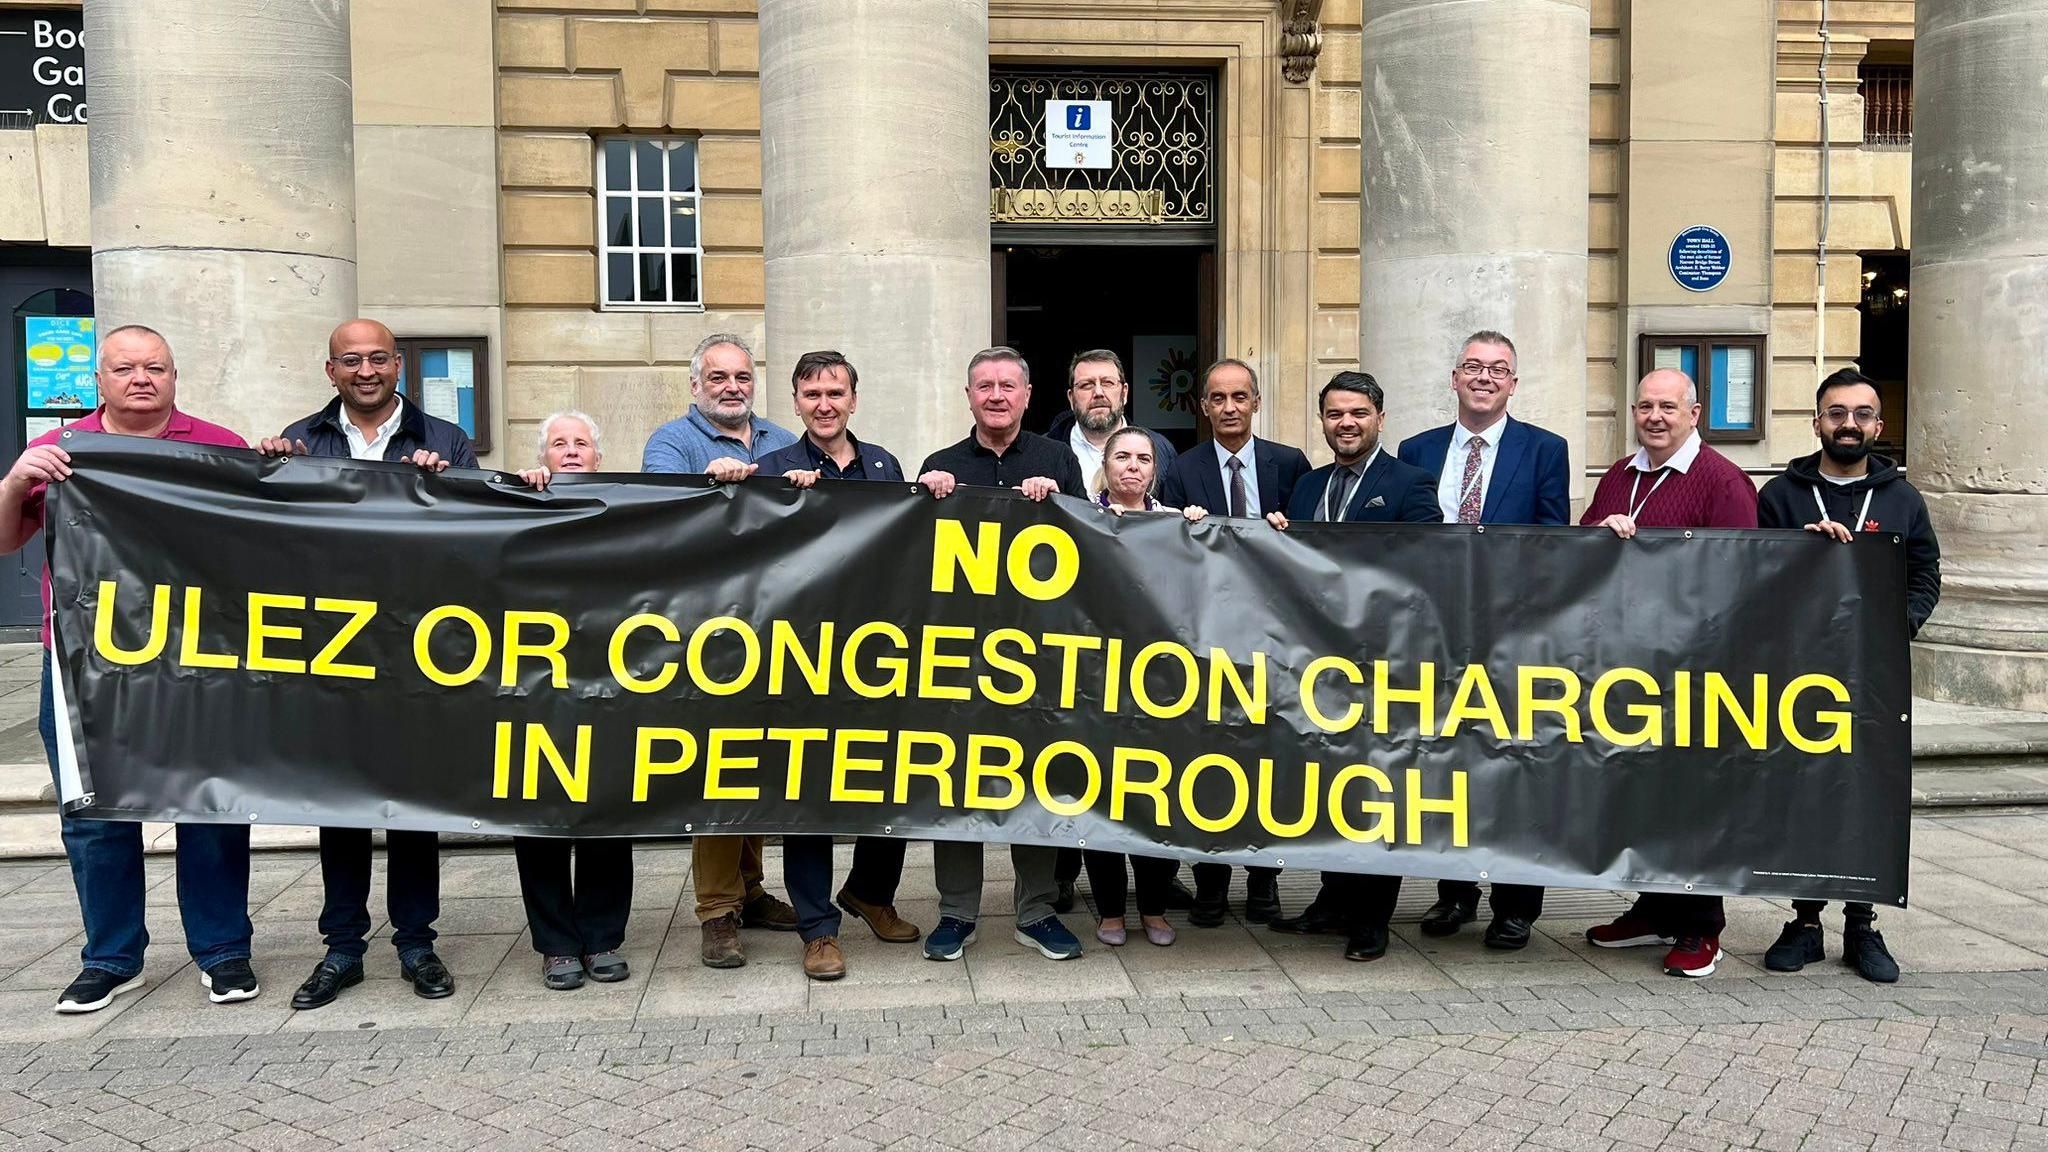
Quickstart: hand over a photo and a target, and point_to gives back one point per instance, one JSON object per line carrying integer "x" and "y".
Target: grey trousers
{"x": 956, "y": 865}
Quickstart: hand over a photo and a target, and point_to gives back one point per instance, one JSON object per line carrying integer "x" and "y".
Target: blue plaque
{"x": 1699, "y": 259}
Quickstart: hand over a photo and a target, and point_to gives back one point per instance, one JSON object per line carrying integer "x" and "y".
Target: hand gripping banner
{"x": 322, "y": 642}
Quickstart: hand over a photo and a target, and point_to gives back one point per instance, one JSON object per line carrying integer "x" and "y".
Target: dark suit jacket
{"x": 1531, "y": 472}
{"x": 1196, "y": 478}
{"x": 1406, "y": 494}
{"x": 876, "y": 461}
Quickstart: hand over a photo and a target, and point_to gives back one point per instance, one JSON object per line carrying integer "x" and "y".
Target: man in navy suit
{"x": 1490, "y": 468}
{"x": 825, "y": 388}
{"x": 1364, "y": 484}
{"x": 1238, "y": 474}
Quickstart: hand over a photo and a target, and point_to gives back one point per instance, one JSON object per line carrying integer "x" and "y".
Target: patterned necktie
{"x": 1471, "y": 495}
{"x": 1238, "y": 502}
{"x": 1338, "y": 498}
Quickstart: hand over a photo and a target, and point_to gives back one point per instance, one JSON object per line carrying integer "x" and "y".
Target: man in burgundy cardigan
{"x": 1673, "y": 481}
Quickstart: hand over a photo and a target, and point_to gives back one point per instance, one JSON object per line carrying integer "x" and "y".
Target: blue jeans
{"x": 106, "y": 868}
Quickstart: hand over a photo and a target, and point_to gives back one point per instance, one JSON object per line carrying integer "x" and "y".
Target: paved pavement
{"x": 1232, "y": 1038}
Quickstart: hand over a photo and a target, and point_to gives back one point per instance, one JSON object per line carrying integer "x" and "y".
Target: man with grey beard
{"x": 1096, "y": 396}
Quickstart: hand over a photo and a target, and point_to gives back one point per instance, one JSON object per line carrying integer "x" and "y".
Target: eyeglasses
{"x": 1104, "y": 384}
{"x": 1840, "y": 415}
{"x": 1474, "y": 369}
{"x": 352, "y": 361}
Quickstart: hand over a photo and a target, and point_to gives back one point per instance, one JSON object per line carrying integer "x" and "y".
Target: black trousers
{"x": 579, "y": 916}
{"x": 807, "y": 874}
{"x": 1522, "y": 901}
{"x": 1369, "y": 900}
{"x": 1067, "y": 868}
{"x": 412, "y": 889}
{"x": 1852, "y": 912}
{"x": 1677, "y": 914}
{"x": 1212, "y": 879}
{"x": 1106, "y": 881}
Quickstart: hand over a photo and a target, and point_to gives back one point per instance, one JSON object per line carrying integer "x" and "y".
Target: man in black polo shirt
{"x": 998, "y": 453}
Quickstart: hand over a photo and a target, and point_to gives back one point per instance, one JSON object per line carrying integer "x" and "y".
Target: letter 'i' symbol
{"x": 1077, "y": 117}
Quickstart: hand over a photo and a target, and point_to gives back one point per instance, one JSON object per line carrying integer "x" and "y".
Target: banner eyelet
{"x": 476, "y": 823}
{"x": 1480, "y": 528}
{"x": 1688, "y": 887}
{"x": 1688, "y": 534}
{"x": 687, "y": 827}
{"x": 252, "y": 817}
{"x": 1482, "y": 876}
{"x": 888, "y": 829}
{"x": 1082, "y": 843}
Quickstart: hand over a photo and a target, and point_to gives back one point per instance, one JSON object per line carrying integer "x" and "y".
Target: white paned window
{"x": 649, "y": 251}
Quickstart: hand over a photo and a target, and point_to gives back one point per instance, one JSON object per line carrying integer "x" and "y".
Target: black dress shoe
{"x": 430, "y": 978}
{"x": 1367, "y": 943}
{"x": 1261, "y": 898}
{"x": 1315, "y": 920}
{"x": 1209, "y": 911}
{"x": 1445, "y": 917}
{"x": 1178, "y": 897}
{"x": 328, "y": 979}
{"x": 1508, "y": 933}
{"x": 1063, "y": 900}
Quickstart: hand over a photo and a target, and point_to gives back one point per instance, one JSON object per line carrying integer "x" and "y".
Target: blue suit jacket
{"x": 1531, "y": 473}
{"x": 1390, "y": 491}
{"x": 876, "y": 460}
{"x": 1196, "y": 478}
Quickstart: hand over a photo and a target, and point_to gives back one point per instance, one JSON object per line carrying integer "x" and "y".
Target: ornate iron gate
{"x": 1163, "y": 155}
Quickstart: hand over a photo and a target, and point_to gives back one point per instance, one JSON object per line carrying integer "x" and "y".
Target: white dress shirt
{"x": 1087, "y": 455}
{"x": 1448, "y": 495}
{"x": 1252, "y": 507}
{"x": 1681, "y": 460}
{"x": 371, "y": 449}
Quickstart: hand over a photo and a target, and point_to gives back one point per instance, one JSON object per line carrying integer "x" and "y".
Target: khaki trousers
{"x": 726, "y": 871}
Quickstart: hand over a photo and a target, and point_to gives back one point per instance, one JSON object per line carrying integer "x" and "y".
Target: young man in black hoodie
{"x": 1838, "y": 492}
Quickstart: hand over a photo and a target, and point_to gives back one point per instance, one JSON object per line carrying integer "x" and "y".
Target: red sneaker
{"x": 1627, "y": 931}
{"x": 1693, "y": 957}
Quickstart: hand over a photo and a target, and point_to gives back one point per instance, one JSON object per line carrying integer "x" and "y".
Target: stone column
{"x": 874, "y": 188}
{"x": 1978, "y": 445}
{"x": 1474, "y": 205}
{"x": 223, "y": 193}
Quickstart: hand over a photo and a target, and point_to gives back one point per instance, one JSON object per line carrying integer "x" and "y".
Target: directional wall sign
{"x": 1700, "y": 258}
{"x": 42, "y": 67}
{"x": 1078, "y": 133}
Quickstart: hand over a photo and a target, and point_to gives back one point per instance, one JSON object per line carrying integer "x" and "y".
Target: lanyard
{"x": 1862, "y": 515}
{"x": 1334, "y": 507}
{"x": 1635, "y": 509}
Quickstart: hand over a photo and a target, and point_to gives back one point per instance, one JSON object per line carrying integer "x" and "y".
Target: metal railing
{"x": 1888, "y": 105}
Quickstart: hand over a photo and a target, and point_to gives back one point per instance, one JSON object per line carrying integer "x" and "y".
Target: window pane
{"x": 619, "y": 278}
{"x": 683, "y": 222}
{"x": 653, "y": 278}
{"x": 618, "y": 231}
{"x": 648, "y": 179}
{"x": 616, "y": 156}
{"x": 650, "y": 222}
{"x": 686, "y": 279}
{"x": 682, "y": 166}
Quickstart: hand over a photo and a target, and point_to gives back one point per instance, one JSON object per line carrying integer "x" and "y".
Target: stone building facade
{"x": 1380, "y": 177}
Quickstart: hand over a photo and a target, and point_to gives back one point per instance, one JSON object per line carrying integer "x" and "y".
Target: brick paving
{"x": 1233, "y": 1038}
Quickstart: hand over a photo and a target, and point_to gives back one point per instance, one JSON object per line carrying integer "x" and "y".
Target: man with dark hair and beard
{"x": 1839, "y": 491}
{"x": 1097, "y": 395}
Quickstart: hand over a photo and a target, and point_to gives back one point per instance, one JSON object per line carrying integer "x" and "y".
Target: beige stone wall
{"x": 1871, "y": 194}
{"x": 44, "y": 190}
{"x": 566, "y": 73}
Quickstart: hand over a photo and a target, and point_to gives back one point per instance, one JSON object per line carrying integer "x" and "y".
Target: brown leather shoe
{"x": 765, "y": 911}
{"x": 823, "y": 960}
{"x": 722, "y": 942}
{"x": 889, "y": 927}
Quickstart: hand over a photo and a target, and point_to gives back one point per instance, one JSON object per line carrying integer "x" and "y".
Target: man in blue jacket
{"x": 1362, "y": 485}
{"x": 1490, "y": 468}
{"x": 369, "y": 420}
{"x": 1236, "y": 474}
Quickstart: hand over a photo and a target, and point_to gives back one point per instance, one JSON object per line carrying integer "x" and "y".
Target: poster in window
{"x": 1165, "y": 381}
{"x": 448, "y": 385}
{"x": 1734, "y": 387}
{"x": 58, "y": 356}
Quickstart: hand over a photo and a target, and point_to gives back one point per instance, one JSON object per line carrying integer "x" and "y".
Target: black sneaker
{"x": 94, "y": 989}
{"x": 1798, "y": 945}
{"x": 1863, "y": 949}
{"x": 229, "y": 981}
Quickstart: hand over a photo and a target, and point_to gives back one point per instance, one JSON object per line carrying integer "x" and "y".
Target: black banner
{"x": 325, "y": 642}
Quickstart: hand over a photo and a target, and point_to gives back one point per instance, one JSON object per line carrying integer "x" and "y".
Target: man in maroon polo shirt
{"x": 138, "y": 389}
{"x": 1673, "y": 481}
